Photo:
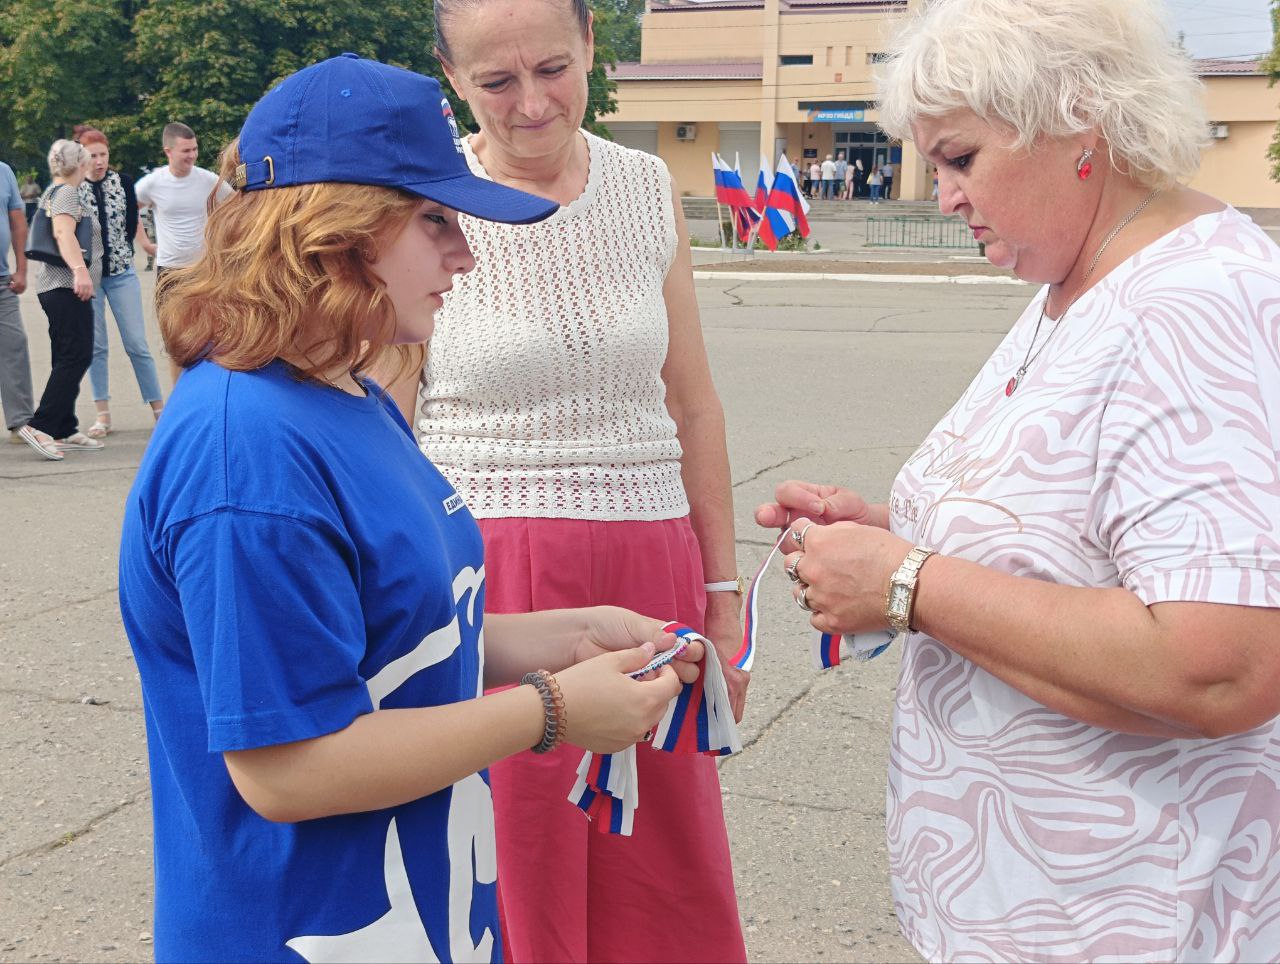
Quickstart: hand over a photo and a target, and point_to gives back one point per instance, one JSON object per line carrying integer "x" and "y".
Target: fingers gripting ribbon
{"x": 699, "y": 720}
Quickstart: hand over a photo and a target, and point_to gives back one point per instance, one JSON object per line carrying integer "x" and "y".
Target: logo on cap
{"x": 447, "y": 110}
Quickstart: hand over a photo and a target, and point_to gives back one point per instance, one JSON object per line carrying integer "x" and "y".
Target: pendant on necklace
{"x": 1012, "y": 387}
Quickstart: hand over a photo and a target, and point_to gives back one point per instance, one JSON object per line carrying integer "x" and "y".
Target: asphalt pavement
{"x": 822, "y": 380}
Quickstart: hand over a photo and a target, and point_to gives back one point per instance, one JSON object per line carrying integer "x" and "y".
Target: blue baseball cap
{"x": 357, "y": 121}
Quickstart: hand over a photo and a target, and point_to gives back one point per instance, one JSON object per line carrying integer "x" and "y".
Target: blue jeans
{"x": 124, "y": 293}
{"x": 875, "y": 191}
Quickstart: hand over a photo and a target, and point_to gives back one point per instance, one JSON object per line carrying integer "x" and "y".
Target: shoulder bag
{"x": 43, "y": 246}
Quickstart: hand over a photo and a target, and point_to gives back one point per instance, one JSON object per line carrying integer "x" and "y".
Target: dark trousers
{"x": 888, "y": 187}
{"x": 71, "y": 341}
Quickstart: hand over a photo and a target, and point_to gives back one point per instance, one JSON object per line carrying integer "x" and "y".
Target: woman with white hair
{"x": 1084, "y": 555}
{"x": 65, "y": 292}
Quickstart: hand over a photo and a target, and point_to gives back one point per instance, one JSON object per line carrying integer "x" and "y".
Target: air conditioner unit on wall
{"x": 1219, "y": 131}
{"x": 686, "y": 132}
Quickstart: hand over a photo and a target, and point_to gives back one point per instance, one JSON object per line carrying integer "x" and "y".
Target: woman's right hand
{"x": 82, "y": 283}
{"x": 605, "y": 710}
{"x": 823, "y": 504}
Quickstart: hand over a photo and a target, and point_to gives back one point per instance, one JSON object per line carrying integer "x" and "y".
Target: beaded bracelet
{"x": 552, "y": 707}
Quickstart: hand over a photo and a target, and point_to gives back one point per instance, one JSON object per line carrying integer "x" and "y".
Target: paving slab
{"x": 89, "y": 900}
{"x": 822, "y": 381}
{"x": 67, "y": 766}
{"x": 73, "y": 652}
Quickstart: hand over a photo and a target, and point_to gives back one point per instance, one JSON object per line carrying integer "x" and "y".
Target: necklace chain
{"x": 1029, "y": 359}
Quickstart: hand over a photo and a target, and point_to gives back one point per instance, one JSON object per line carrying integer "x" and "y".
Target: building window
{"x": 796, "y": 60}
{"x": 877, "y": 58}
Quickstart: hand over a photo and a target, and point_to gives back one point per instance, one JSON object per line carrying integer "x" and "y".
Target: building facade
{"x": 742, "y": 77}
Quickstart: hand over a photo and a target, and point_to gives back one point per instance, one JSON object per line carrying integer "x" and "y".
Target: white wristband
{"x": 730, "y": 585}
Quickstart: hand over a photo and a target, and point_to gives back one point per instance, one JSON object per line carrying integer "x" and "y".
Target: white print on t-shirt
{"x": 435, "y": 647}
{"x": 473, "y": 858}
{"x": 400, "y": 935}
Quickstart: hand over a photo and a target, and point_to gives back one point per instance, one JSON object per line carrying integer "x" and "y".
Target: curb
{"x": 901, "y": 279}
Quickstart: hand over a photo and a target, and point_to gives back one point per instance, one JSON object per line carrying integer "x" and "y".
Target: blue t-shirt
{"x": 289, "y": 562}
{"x": 10, "y": 200}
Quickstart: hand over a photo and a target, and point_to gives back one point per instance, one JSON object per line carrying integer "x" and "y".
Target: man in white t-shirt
{"x": 179, "y": 192}
{"x": 179, "y": 196}
{"x": 828, "y": 178}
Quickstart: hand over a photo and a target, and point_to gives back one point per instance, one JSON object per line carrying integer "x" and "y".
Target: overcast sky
{"x": 1222, "y": 28}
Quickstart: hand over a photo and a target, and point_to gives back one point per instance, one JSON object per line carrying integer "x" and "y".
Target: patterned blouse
{"x": 121, "y": 222}
{"x": 1140, "y": 452}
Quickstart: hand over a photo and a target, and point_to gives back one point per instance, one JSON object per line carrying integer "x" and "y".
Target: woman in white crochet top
{"x": 567, "y": 397}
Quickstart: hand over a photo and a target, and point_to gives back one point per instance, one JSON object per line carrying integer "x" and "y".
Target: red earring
{"x": 1085, "y": 167}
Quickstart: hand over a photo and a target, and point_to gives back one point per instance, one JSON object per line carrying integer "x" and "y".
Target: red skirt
{"x": 566, "y": 891}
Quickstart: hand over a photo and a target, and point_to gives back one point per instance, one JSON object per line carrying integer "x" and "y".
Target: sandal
{"x": 101, "y": 426}
{"x": 42, "y": 443}
{"x": 79, "y": 443}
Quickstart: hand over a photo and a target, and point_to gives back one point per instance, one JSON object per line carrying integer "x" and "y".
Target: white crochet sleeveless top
{"x": 542, "y": 395}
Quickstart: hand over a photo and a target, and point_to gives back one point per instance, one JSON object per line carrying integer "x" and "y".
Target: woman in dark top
{"x": 109, "y": 197}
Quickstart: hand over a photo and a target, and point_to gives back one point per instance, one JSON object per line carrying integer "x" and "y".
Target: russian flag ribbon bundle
{"x": 699, "y": 720}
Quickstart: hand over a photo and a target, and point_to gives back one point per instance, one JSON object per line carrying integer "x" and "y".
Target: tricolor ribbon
{"x": 699, "y": 720}
{"x": 746, "y": 655}
{"x": 862, "y": 647}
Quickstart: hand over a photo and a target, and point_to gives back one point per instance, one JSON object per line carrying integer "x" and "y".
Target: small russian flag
{"x": 785, "y": 197}
{"x": 773, "y": 225}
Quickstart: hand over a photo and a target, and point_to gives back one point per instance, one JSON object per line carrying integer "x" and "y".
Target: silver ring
{"x": 799, "y": 536}
{"x": 793, "y": 570}
{"x": 802, "y": 600}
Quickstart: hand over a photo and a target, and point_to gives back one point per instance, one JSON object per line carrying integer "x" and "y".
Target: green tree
{"x": 60, "y": 64}
{"x": 619, "y": 20}
{"x": 1272, "y": 67}
{"x": 132, "y": 66}
{"x": 617, "y": 33}
{"x": 206, "y": 62}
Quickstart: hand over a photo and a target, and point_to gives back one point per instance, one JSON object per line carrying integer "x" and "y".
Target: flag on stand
{"x": 745, "y": 217}
{"x": 731, "y": 191}
{"x": 785, "y": 197}
{"x": 773, "y": 227}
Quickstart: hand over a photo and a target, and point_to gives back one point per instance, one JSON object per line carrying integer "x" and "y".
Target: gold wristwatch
{"x": 901, "y": 599}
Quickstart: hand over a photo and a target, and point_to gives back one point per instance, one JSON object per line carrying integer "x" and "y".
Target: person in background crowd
{"x": 568, "y": 398}
{"x": 1084, "y": 554}
{"x": 109, "y": 196}
{"x": 887, "y": 170}
{"x": 147, "y": 222}
{"x": 875, "y": 180}
{"x": 842, "y": 169}
{"x": 828, "y": 178}
{"x": 16, "y": 392}
{"x": 180, "y": 196}
{"x": 30, "y": 192}
{"x": 65, "y": 291}
{"x": 859, "y": 177}
{"x": 815, "y": 179}
{"x": 305, "y": 593}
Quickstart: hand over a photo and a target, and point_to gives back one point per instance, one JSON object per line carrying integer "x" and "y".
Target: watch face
{"x": 899, "y": 597}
